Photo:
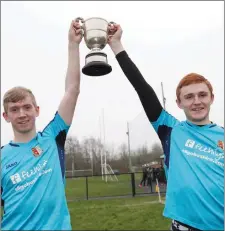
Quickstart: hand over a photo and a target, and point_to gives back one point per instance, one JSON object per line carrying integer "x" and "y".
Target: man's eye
{"x": 188, "y": 97}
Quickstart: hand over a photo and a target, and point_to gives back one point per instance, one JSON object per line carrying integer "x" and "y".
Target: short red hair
{"x": 193, "y": 78}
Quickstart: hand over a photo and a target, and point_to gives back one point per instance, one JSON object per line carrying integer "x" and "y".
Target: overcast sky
{"x": 166, "y": 40}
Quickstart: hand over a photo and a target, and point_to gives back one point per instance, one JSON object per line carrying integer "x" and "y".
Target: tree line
{"x": 86, "y": 154}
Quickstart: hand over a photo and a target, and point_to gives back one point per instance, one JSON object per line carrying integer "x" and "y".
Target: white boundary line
{"x": 126, "y": 205}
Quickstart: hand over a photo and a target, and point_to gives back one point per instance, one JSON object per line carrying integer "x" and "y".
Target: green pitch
{"x": 139, "y": 213}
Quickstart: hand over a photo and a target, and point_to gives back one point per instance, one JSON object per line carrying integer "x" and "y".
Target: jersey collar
{"x": 17, "y": 144}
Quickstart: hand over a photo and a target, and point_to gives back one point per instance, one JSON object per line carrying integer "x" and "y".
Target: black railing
{"x": 90, "y": 187}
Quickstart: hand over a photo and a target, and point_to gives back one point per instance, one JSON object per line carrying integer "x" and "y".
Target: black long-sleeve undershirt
{"x": 147, "y": 95}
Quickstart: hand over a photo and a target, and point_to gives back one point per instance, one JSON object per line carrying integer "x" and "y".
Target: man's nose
{"x": 197, "y": 100}
{"x": 21, "y": 113}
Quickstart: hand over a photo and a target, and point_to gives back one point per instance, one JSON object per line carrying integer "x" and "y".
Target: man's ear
{"x": 5, "y": 115}
{"x": 179, "y": 104}
{"x": 37, "y": 108}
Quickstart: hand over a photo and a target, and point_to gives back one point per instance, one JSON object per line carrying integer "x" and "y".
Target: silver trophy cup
{"x": 95, "y": 31}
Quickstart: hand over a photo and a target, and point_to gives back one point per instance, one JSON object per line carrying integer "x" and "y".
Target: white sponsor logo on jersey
{"x": 15, "y": 178}
{"x": 190, "y": 143}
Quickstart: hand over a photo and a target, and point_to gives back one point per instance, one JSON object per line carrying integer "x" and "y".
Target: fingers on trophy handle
{"x": 80, "y": 20}
{"x": 111, "y": 23}
{"x": 110, "y": 30}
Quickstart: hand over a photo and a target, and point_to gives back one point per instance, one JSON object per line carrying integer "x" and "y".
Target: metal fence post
{"x": 87, "y": 187}
{"x": 133, "y": 184}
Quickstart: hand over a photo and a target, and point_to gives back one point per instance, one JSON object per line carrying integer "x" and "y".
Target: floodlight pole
{"x": 105, "y": 169}
{"x": 128, "y": 141}
{"x": 101, "y": 151}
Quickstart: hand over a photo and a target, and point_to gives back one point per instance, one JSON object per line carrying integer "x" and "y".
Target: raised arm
{"x": 149, "y": 100}
{"x": 72, "y": 82}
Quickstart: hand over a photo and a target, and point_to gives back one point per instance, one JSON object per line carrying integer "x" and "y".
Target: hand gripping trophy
{"x": 95, "y": 31}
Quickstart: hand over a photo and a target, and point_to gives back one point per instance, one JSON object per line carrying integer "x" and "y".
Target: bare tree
{"x": 157, "y": 151}
{"x": 73, "y": 153}
{"x": 87, "y": 155}
{"x": 92, "y": 149}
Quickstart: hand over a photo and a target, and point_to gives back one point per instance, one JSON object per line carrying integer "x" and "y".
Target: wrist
{"x": 73, "y": 45}
{"x": 116, "y": 47}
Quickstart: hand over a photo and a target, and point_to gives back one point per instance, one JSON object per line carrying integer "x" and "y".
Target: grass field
{"x": 127, "y": 213}
{"x": 139, "y": 213}
{"x": 76, "y": 187}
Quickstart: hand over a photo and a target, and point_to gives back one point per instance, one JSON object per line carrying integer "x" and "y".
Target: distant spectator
{"x": 144, "y": 176}
{"x": 149, "y": 176}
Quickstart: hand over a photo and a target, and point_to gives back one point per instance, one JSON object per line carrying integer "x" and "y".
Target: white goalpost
{"x": 106, "y": 169}
{"x": 108, "y": 173}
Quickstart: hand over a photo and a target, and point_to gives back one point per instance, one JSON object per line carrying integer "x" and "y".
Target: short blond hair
{"x": 16, "y": 94}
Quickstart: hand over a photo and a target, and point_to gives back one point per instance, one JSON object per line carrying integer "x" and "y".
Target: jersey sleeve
{"x": 164, "y": 120}
{"x": 56, "y": 126}
{"x": 163, "y": 127}
{"x": 57, "y": 129}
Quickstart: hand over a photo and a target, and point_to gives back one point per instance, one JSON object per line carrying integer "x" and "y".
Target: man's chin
{"x": 24, "y": 131}
{"x": 199, "y": 120}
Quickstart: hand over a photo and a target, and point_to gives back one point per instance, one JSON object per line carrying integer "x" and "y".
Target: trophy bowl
{"x": 95, "y": 31}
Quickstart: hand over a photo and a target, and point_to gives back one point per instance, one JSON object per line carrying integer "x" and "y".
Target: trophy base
{"x": 96, "y": 64}
{"x": 96, "y": 68}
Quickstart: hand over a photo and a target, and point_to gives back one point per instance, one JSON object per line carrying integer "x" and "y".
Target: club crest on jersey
{"x": 220, "y": 144}
{"x": 36, "y": 151}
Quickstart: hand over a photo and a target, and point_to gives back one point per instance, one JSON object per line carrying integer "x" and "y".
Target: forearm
{"x": 117, "y": 48}
{"x": 72, "y": 85}
{"x": 131, "y": 72}
{"x": 72, "y": 82}
{"x": 149, "y": 100}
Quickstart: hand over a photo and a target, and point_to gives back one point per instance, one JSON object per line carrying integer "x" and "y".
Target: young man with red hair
{"x": 193, "y": 149}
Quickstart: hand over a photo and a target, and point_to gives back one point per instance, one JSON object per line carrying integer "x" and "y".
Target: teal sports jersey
{"x": 32, "y": 181}
{"x": 194, "y": 164}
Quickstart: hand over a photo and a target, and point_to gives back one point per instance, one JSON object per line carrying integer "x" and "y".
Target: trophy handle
{"x": 111, "y": 23}
{"x": 80, "y": 20}
{"x": 110, "y": 33}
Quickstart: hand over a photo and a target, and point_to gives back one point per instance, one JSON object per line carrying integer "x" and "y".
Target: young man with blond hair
{"x": 32, "y": 164}
{"x": 193, "y": 149}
